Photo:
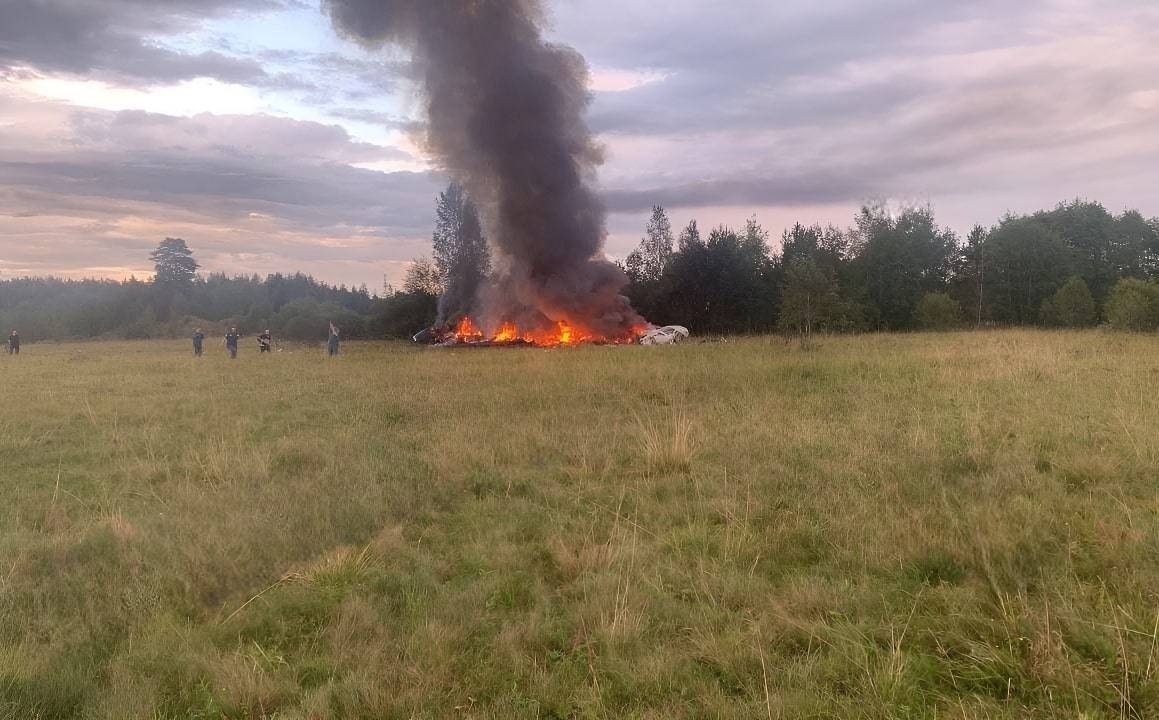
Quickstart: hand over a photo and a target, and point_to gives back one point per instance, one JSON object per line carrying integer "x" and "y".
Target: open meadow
{"x": 959, "y": 525}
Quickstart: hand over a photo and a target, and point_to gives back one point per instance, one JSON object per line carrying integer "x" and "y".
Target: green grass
{"x": 891, "y": 526}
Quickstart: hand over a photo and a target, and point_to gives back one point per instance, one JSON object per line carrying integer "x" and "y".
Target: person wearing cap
{"x": 265, "y": 342}
{"x": 231, "y": 339}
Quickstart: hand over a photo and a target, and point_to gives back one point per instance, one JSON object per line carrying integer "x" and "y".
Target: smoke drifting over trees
{"x": 505, "y": 116}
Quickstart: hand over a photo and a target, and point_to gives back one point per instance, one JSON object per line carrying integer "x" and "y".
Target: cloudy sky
{"x": 250, "y": 129}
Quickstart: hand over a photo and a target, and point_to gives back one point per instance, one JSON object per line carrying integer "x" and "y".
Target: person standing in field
{"x": 265, "y": 342}
{"x": 14, "y": 343}
{"x": 198, "y": 341}
{"x": 231, "y": 339}
{"x": 332, "y": 342}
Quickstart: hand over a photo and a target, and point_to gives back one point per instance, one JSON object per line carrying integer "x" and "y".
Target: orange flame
{"x": 467, "y": 331}
{"x": 562, "y": 334}
{"x": 507, "y": 333}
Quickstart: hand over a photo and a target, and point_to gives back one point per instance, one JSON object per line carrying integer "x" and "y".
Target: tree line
{"x": 1075, "y": 265}
{"x": 892, "y": 269}
{"x": 295, "y": 307}
{"x": 177, "y": 299}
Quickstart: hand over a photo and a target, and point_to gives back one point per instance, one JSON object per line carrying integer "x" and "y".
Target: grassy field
{"x": 893, "y": 526}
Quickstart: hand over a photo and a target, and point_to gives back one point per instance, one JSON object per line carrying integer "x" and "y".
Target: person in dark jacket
{"x": 231, "y": 339}
{"x": 198, "y": 341}
{"x": 332, "y": 342}
{"x": 265, "y": 342}
{"x": 13, "y": 343}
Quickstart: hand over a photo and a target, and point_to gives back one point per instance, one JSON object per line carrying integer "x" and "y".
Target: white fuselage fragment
{"x": 667, "y": 335}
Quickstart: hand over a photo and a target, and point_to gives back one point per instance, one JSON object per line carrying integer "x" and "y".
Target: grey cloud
{"x": 334, "y": 77}
{"x": 663, "y": 107}
{"x": 743, "y": 64}
{"x": 227, "y": 136}
{"x": 916, "y": 99}
{"x": 373, "y": 73}
{"x": 208, "y": 171}
{"x": 375, "y": 117}
{"x": 305, "y": 198}
{"x": 1031, "y": 129}
{"x": 111, "y": 39}
{"x": 339, "y": 223}
{"x": 800, "y": 189}
{"x": 739, "y": 40}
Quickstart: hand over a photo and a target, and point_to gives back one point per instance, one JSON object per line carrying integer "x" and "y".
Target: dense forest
{"x": 893, "y": 269}
{"x": 1075, "y": 265}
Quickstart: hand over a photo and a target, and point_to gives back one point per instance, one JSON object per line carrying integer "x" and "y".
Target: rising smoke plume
{"x": 505, "y": 114}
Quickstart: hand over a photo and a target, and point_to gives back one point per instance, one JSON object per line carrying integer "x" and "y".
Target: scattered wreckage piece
{"x": 447, "y": 338}
{"x": 454, "y": 343}
{"x": 667, "y": 335}
{"x": 433, "y": 337}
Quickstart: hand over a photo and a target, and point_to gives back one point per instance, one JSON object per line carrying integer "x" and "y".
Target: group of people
{"x": 265, "y": 342}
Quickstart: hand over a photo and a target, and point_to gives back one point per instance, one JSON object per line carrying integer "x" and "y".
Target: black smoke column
{"x": 506, "y": 119}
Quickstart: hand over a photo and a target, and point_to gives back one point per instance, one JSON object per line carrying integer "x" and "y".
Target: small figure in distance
{"x": 332, "y": 342}
{"x": 14, "y": 343}
{"x": 198, "y": 340}
{"x": 231, "y": 338}
{"x": 265, "y": 342}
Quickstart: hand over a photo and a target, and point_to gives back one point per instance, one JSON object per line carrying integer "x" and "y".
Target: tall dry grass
{"x": 911, "y": 526}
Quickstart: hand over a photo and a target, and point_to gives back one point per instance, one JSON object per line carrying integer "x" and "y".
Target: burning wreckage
{"x": 505, "y": 120}
{"x": 466, "y": 333}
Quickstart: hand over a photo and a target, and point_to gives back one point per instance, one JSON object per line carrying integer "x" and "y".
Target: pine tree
{"x": 756, "y": 238}
{"x": 460, "y": 252}
{"x": 690, "y": 237}
{"x": 173, "y": 262}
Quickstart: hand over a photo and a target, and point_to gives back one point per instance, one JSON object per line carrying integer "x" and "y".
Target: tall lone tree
{"x": 173, "y": 262}
{"x": 460, "y": 252}
{"x": 647, "y": 262}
